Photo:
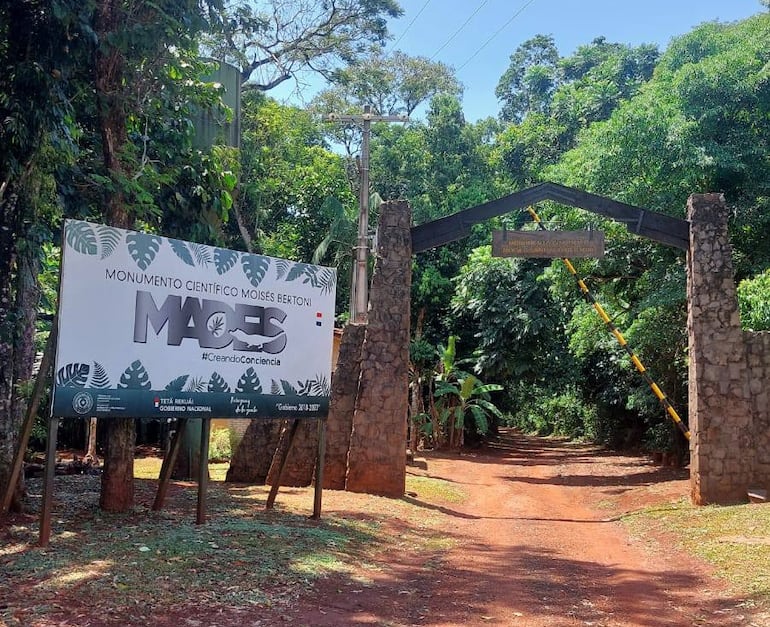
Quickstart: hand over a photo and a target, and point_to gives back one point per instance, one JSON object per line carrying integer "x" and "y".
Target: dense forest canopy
{"x": 97, "y": 102}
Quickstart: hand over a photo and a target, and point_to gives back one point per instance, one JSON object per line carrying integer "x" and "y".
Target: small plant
{"x": 220, "y": 446}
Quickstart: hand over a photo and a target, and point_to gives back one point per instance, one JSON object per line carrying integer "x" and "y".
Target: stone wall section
{"x": 339, "y": 424}
{"x": 758, "y": 349}
{"x": 377, "y": 458}
{"x": 720, "y": 402}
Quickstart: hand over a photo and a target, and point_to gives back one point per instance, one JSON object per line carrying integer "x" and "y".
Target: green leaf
{"x": 73, "y": 375}
{"x": 143, "y": 248}
{"x": 288, "y": 388}
{"x": 255, "y": 267}
{"x": 196, "y": 384}
{"x": 135, "y": 377}
{"x": 249, "y": 382}
{"x": 224, "y": 259}
{"x": 229, "y": 180}
{"x": 226, "y": 199}
{"x": 81, "y": 238}
{"x": 180, "y": 250}
{"x": 177, "y": 385}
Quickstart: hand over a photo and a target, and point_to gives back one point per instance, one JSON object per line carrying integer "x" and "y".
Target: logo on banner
{"x": 212, "y": 323}
{"x": 82, "y": 403}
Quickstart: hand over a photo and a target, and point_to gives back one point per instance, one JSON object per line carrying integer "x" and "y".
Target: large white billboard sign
{"x": 156, "y": 327}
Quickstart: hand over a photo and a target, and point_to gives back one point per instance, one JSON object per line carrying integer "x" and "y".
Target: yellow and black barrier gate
{"x": 589, "y": 297}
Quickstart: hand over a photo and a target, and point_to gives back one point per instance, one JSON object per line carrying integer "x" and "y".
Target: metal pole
{"x": 362, "y": 248}
{"x": 359, "y": 299}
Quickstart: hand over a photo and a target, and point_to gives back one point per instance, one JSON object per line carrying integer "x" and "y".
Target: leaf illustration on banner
{"x": 255, "y": 267}
{"x": 135, "y": 377}
{"x": 201, "y": 253}
{"x": 99, "y": 379}
{"x": 216, "y": 325}
{"x": 282, "y": 267}
{"x": 109, "y": 239}
{"x": 73, "y": 375}
{"x": 299, "y": 270}
{"x": 180, "y": 250}
{"x": 224, "y": 259}
{"x": 177, "y": 385}
{"x": 288, "y": 388}
{"x": 249, "y": 382}
{"x": 217, "y": 383}
{"x": 327, "y": 280}
{"x": 275, "y": 388}
{"x": 81, "y": 237}
{"x": 143, "y": 248}
{"x": 315, "y": 387}
{"x": 196, "y": 384}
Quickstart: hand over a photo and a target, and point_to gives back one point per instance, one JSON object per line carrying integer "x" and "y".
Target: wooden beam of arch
{"x": 655, "y": 226}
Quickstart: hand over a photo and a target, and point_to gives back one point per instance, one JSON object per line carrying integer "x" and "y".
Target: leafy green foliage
{"x": 754, "y": 302}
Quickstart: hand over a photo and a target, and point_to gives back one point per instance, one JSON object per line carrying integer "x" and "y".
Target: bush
{"x": 220, "y": 445}
{"x": 563, "y": 414}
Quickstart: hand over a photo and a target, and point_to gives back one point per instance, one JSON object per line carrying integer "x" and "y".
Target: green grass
{"x": 143, "y": 561}
{"x": 735, "y": 539}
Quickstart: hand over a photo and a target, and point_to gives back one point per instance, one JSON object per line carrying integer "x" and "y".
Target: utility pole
{"x": 359, "y": 299}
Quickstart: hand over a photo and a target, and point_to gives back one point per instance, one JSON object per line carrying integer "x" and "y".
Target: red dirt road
{"x": 540, "y": 544}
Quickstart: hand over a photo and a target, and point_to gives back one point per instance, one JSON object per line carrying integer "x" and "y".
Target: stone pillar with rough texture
{"x": 377, "y": 458}
{"x": 720, "y": 408}
{"x": 341, "y": 406}
{"x": 758, "y": 347}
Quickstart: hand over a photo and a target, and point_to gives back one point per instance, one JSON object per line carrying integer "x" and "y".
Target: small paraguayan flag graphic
{"x": 318, "y": 319}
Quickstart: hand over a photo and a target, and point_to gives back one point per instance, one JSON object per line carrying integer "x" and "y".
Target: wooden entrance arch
{"x": 729, "y": 397}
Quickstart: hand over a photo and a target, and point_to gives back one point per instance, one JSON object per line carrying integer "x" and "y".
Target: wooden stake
{"x": 29, "y": 417}
{"x": 282, "y": 465}
{"x": 50, "y": 472}
{"x": 203, "y": 471}
{"x": 167, "y": 467}
{"x": 319, "y": 468}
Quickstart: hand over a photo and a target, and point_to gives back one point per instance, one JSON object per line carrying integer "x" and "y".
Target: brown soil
{"x": 539, "y": 543}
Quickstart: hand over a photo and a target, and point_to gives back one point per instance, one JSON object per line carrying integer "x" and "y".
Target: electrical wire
{"x": 414, "y": 19}
{"x": 457, "y": 32}
{"x": 496, "y": 33}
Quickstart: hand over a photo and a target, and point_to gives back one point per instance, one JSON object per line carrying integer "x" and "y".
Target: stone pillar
{"x": 720, "y": 411}
{"x": 758, "y": 347}
{"x": 339, "y": 424}
{"x": 377, "y": 458}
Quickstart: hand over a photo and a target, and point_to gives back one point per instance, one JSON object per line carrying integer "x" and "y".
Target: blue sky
{"x": 477, "y": 37}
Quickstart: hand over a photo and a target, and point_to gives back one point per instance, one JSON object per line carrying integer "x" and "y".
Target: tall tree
{"x": 528, "y": 83}
{"x": 134, "y": 40}
{"x": 34, "y": 45}
{"x": 273, "y": 40}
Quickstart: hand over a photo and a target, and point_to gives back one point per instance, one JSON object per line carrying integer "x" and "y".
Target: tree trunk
{"x": 251, "y": 460}
{"x": 19, "y": 295}
{"x": 117, "y": 494}
{"x": 91, "y": 442}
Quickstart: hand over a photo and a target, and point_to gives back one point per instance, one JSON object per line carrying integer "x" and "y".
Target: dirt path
{"x": 537, "y": 543}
